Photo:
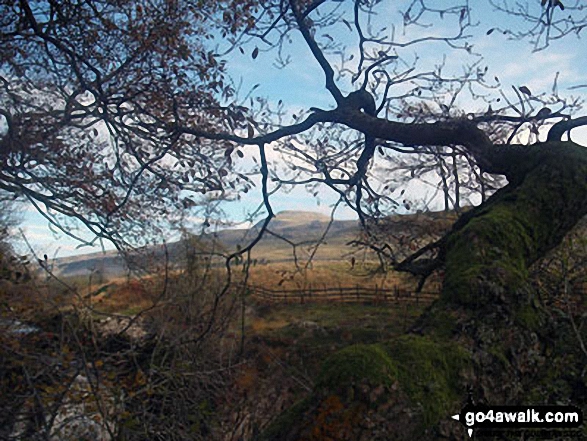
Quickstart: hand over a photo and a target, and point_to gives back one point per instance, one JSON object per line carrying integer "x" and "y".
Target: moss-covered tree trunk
{"x": 488, "y": 331}
{"x": 487, "y": 301}
{"x": 488, "y": 254}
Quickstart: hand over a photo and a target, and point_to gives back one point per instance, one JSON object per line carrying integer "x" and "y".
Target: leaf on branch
{"x": 490, "y": 31}
{"x": 525, "y": 90}
{"x": 348, "y": 25}
{"x": 247, "y": 179}
{"x": 255, "y": 53}
{"x": 250, "y": 131}
{"x": 560, "y": 5}
{"x": 240, "y": 154}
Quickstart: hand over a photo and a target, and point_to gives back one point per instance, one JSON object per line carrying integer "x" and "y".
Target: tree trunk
{"x": 488, "y": 331}
{"x": 490, "y": 249}
{"x": 487, "y": 300}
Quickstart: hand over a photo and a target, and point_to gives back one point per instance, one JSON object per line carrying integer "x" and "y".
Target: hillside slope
{"x": 300, "y": 228}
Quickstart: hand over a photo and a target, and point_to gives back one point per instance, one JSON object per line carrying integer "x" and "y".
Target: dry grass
{"x": 277, "y": 276}
{"x": 130, "y": 296}
{"x": 334, "y": 274}
{"x": 263, "y": 325}
{"x": 127, "y": 297}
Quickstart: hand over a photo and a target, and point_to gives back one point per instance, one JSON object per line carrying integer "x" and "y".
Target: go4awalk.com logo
{"x": 519, "y": 417}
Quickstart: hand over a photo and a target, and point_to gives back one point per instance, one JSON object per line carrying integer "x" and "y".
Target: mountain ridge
{"x": 302, "y": 228}
{"x": 296, "y": 226}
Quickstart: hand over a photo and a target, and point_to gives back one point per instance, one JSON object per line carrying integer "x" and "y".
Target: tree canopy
{"x": 88, "y": 89}
{"x": 121, "y": 113}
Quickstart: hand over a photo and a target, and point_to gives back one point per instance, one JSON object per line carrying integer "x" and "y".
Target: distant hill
{"x": 292, "y": 217}
{"x": 302, "y": 228}
{"x": 294, "y": 220}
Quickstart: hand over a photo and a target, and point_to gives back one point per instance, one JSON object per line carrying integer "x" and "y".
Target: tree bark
{"x": 489, "y": 251}
{"x": 488, "y": 331}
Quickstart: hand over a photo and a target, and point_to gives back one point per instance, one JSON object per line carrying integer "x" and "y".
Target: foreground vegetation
{"x": 131, "y": 358}
{"x": 136, "y": 358}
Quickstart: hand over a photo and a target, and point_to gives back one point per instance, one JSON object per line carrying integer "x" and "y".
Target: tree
{"x": 9, "y": 219}
{"x": 85, "y": 89}
{"x": 146, "y": 76}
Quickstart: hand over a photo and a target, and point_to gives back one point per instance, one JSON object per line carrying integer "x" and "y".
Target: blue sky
{"x": 301, "y": 85}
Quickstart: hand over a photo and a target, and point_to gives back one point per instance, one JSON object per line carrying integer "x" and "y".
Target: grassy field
{"x": 265, "y": 356}
{"x": 269, "y": 354}
{"x": 322, "y": 274}
{"x": 353, "y": 323}
{"x": 128, "y": 296}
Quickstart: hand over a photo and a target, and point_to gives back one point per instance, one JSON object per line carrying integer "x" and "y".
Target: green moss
{"x": 429, "y": 374}
{"x": 427, "y": 371}
{"x": 499, "y": 353}
{"x": 417, "y": 372}
{"x": 488, "y": 254}
{"x": 489, "y": 251}
{"x": 340, "y": 373}
{"x": 357, "y": 363}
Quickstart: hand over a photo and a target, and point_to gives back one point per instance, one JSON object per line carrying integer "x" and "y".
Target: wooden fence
{"x": 358, "y": 294}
